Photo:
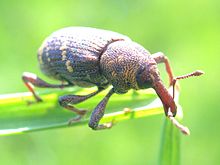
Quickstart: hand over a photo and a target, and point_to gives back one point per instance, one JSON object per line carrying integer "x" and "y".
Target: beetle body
{"x": 93, "y": 57}
{"x": 73, "y": 55}
{"x": 88, "y": 57}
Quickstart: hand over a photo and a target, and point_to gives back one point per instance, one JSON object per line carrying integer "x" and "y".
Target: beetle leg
{"x": 67, "y": 100}
{"x": 31, "y": 80}
{"x": 98, "y": 113}
{"x": 159, "y": 57}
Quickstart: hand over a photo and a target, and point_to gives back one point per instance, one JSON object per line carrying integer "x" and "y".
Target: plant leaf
{"x": 170, "y": 145}
{"x": 16, "y": 116}
{"x": 170, "y": 140}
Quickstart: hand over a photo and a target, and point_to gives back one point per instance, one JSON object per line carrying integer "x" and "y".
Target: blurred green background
{"x": 188, "y": 32}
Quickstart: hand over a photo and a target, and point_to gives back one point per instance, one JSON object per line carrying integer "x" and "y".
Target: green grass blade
{"x": 170, "y": 145}
{"x": 170, "y": 141}
{"x": 16, "y": 116}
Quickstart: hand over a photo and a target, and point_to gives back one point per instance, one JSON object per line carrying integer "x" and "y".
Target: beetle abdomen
{"x": 73, "y": 54}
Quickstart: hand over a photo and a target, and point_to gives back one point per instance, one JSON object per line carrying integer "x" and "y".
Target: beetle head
{"x": 148, "y": 76}
{"x": 143, "y": 77}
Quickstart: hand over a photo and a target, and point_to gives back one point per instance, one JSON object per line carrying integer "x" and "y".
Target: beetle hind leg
{"x": 31, "y": 80}
{"x": 67, "y": 101}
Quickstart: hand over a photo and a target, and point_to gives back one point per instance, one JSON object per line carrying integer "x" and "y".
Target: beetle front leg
{"x": 98, "y": 113}
{"x": 67, "y": 100}
{"x": 159, "y": 57}
{"x": 31, "y": 80}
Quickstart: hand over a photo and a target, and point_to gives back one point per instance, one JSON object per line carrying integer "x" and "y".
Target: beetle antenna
{"x": 182, "y": 128}
{"x": 195, "y": 73}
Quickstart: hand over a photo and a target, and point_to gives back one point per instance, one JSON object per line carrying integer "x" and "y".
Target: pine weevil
{"x": 86, "y": 57}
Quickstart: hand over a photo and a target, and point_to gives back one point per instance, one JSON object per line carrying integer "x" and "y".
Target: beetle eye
{"x": 143, "y": 78}
{"x": 140, "y": 70}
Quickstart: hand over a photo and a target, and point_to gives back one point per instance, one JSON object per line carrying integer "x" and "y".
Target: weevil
{"x": 86, "y": 57}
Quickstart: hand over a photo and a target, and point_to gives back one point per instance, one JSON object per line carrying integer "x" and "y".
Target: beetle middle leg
{"x": 159, "y": 57}
{"x": 98, "y": 113}
{"x": 31, "y": 80}
{"x": 67, "y": 100}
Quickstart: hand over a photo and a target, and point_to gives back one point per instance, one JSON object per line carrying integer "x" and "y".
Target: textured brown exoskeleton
{"x": 88, "y": 57}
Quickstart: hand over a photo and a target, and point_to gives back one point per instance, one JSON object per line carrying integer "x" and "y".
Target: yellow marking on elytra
{"x": 40, "y": 53}
{"x": 63, "y": 46}
{"x": 40, "y": 59}
{"x": 43, "y": 48}
{"x": 68, "y": 66}
{"x": 63, "y": 55}
{"x": 48, "y": 59}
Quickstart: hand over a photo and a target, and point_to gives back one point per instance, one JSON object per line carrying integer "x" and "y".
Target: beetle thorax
{"x": 121, "y": 62}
